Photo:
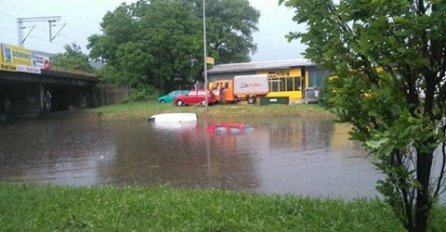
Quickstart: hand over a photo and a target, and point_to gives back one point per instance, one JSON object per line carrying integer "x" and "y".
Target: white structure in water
{"x": 173, "y": 118}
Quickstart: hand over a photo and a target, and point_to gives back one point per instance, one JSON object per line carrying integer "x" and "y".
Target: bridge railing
{"x": 72, "y": 71}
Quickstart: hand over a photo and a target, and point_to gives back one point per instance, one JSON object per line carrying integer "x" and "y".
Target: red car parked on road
{"x": 194, "y": 97}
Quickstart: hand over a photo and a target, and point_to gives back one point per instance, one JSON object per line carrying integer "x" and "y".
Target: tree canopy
{"x": 230, "y": 24}
{"x": 389, "y": 62}
{"x": 160, "y": 42}
{"x": 72, "y": 58}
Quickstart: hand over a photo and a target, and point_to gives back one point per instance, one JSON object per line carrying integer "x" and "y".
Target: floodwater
{"x": 305, "y": 156}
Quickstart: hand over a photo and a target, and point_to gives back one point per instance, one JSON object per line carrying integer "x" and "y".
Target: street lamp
{"x": 204, "y": 57}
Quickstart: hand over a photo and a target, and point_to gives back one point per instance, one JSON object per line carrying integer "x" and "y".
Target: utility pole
{"x": 205, "y": 56}
{"x": 51, "y": 20}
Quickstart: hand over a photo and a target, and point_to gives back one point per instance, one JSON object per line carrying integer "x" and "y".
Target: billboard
{"x": 16, "y": 55}
{"x": 18, "y": 59}
{"x": 39, "y": 60}
{"x": 6, "y": 66}
{"x": 251, "y": 84}
{"x": 28, "y": 69}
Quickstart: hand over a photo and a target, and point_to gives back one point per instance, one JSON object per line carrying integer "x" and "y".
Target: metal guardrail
{"x": 71, "y": 71}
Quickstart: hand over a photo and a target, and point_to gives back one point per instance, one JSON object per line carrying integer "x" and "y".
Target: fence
{"x": 107, "y": 94}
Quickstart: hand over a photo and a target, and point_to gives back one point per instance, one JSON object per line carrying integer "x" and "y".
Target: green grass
{"x": 49, "y": 208}
{"x": 145, "y": 109}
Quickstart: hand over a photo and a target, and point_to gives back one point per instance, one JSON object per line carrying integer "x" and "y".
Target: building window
{"x": 285, "y": 84}
{"x": 297, "y": 84}
{"x": 317, "y": 78}
{"x": 274, "y": 84}
{"x": 289, "y": 84}
{"x": 282, "y": 84}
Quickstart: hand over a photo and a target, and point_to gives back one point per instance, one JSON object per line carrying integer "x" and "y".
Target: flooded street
{"x": 311, "y": 157}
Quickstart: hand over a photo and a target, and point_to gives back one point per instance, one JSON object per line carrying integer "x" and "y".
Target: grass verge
{"x": 146, "y": 109}
{"x": 50, "y": 208}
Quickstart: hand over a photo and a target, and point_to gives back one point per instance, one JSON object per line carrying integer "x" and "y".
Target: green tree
{"x": 72, "y": 58}
{"x": 159, "y": 42}
{"x": 229, "y": 27}
{"x": 389, "y": 58}
{"x": 172, "y": 35}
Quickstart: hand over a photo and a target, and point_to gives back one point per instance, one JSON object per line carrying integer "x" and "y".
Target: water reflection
{"x": 59, "y": 152}
{"x": 301, "y": 156}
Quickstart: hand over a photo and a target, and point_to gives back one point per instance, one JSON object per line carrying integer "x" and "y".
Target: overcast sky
{"x": 82, "y": 18}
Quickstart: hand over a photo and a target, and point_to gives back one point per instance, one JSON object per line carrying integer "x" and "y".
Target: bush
{"x": 143, "y": 93}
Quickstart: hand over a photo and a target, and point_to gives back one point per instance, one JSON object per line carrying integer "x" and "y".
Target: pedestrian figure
{"x": 47, "y": 101}
{"x": 221, "y": 90}
{"x": 198, "y": 85}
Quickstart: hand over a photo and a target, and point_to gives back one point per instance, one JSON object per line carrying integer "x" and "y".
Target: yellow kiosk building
{"x": 287, "y": 78}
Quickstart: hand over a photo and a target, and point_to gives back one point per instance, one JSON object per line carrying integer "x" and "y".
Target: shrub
{"x": 143, "y": 93}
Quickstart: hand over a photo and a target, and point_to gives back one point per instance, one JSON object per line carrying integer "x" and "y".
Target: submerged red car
{"x": 229, "y": 128}
{"x": 194, "y": 97}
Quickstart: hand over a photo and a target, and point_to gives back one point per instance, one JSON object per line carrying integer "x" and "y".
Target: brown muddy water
{"x": 306, "y": 156}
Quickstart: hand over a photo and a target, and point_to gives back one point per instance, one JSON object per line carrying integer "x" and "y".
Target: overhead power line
{"x": 19, "y": 8}
{"x": 22, "y": 9}
{"x": 8, "y": 29}
{"x": 51, "y": 20}
{"x": 8, "y": 15}
{"x": 10, "y": 10}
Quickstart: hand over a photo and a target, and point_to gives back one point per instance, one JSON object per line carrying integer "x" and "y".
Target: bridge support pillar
{"x": 2, "y": 100}
{"x": 41, "y": 95}
{"x": 27, "y": 100}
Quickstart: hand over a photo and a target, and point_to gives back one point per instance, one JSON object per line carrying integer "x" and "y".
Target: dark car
{"x": 194, "y": 97}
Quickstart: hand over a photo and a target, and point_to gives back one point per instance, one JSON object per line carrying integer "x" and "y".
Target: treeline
{"x": 159, "y": 43}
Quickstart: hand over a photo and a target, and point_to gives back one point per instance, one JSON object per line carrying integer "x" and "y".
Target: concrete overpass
{"x": 21, "y": 93}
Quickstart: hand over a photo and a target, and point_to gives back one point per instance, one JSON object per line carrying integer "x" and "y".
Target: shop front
{"x": 288, "y": 78}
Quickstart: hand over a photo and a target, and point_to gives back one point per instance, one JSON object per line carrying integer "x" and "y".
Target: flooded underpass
{"x": 306, "y": 156}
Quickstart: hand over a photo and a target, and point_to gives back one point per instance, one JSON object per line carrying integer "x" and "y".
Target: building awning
{"x": 260, "y": 65}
